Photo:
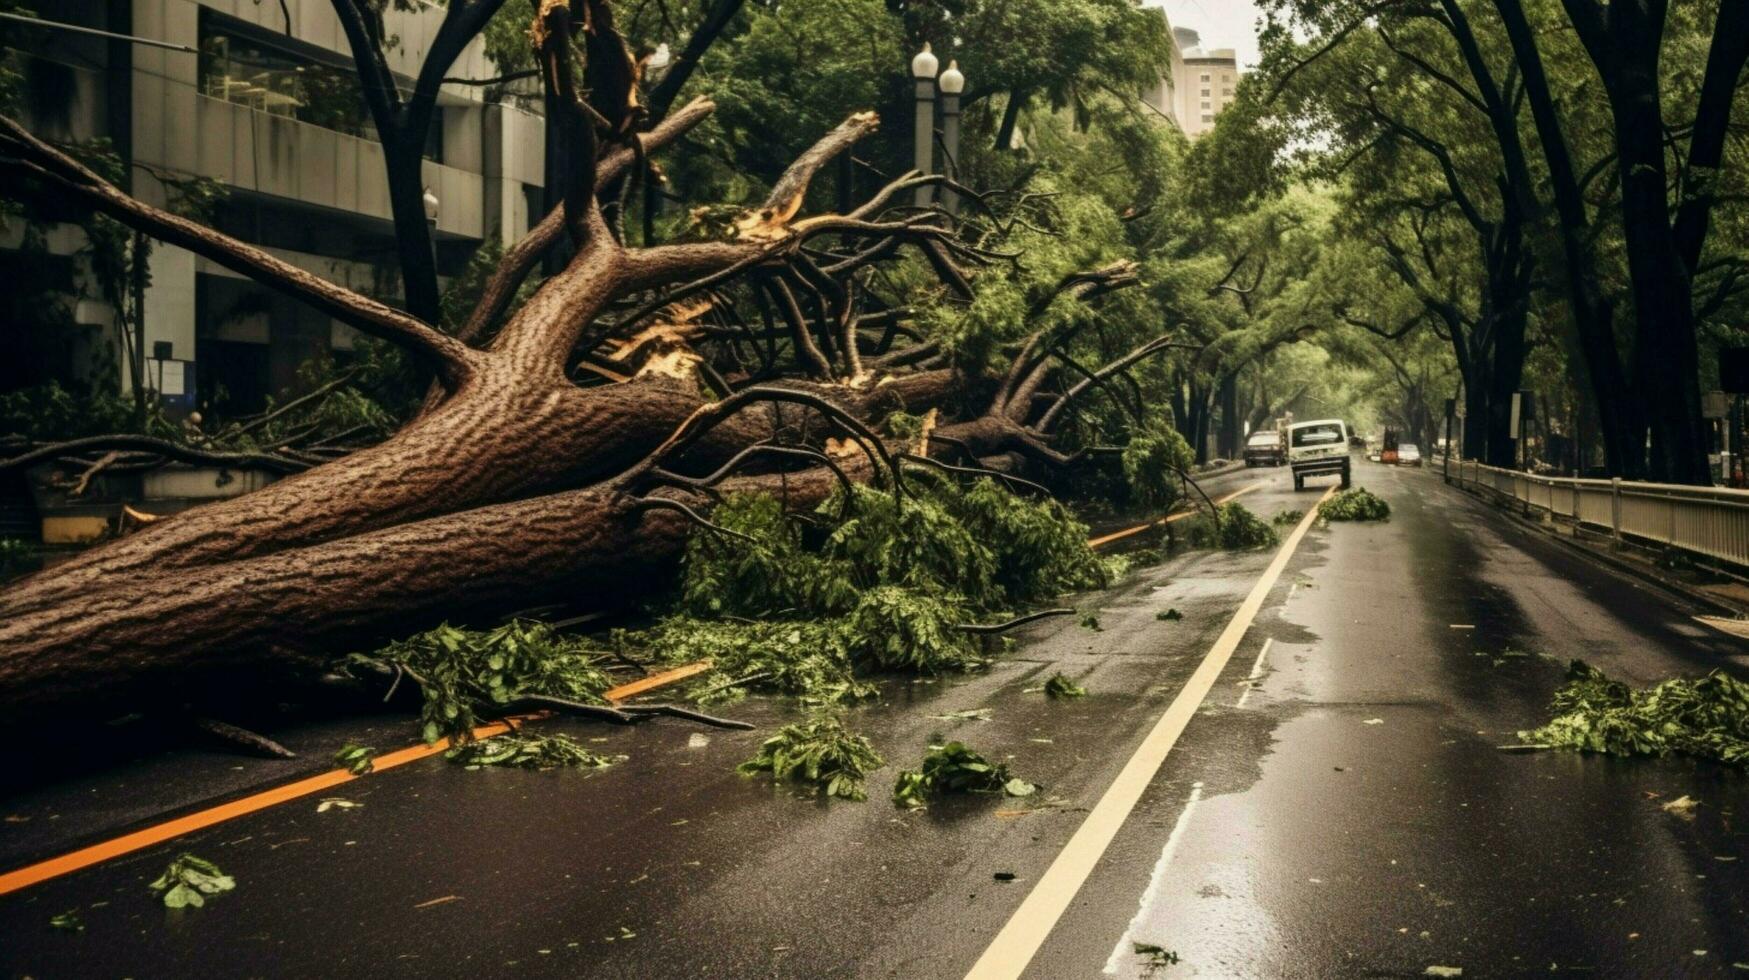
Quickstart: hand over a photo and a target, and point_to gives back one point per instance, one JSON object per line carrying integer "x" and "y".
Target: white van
{"x": 1318, "y": 448}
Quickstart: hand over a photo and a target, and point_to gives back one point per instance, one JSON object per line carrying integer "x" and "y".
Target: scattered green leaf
{"x": 189, "y": 880}
{"x": 527, "y": 750}
{"x": 1060, "y": 686}
{"x": 356, "y": 759}
{"x": 1154, "y": 958}
{"x": 954, "y": 768}
{"x": 821, "y": 753}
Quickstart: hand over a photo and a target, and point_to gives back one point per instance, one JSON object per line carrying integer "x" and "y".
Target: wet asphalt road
{"x": 1352, "y": 815}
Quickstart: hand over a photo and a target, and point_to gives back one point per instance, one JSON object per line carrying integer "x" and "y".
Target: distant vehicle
{"x": 1266, "y": 447}
{"x": 1318, "y": 448}
{"x": 1408, "y": 454}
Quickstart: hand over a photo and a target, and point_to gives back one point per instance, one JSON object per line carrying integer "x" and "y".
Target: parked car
{"x": 1408, "y": 454}
{"x": 1264, "y": 448}
{"x": 1318, "y": 448}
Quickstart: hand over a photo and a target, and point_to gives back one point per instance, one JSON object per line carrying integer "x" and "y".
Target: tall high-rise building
{"x": 1207, "y": 81}
{"x": 1197, "y": 85}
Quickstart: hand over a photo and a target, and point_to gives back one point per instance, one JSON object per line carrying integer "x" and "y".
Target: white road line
{"x": 1122, "y": 948}
{"x": 1256, "y": 672}
{"x": 1019, "y": 940}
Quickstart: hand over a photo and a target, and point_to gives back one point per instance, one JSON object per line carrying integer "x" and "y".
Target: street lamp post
{"x": 923, "y": 68}
{"x": 430, "y": 201}
{"x": 952, "y": 84}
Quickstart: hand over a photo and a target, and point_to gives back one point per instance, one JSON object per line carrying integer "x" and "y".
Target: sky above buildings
{"x": 1222, "y": 24}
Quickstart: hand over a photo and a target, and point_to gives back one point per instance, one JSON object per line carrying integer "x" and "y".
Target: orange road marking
{"x": 1181, "y": 515}
{"x": 653, "y": 681}
{"x": 146, "y": 837}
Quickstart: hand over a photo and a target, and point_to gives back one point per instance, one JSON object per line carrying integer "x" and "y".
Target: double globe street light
{"x": 951, "y": 83}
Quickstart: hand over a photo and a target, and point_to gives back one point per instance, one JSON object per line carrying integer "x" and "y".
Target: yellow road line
{"x": 1014, "y": 947}
{"x": 1181, "y": 515}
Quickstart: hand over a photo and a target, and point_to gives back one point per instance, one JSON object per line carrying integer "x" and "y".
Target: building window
{"x": 1206, "y": 104}
{"x": 1227, "y": 92}
{"x": 280, "y": 76}
{"x": 1205, "y": 93}
{"x": 1205, "y": 76}
{"x": 1208, "y": 117}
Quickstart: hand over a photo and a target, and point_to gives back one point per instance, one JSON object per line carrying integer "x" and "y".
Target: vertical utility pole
{"x": 923, "y": 68}
{"x": 952, "y": 84}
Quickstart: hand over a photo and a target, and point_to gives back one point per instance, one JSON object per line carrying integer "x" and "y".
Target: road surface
{"x": 1337, "y": 805}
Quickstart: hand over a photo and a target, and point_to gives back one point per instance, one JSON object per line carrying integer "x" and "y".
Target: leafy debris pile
{"x": 820, "y": 753}
{"x": 1061, "y": 687}
{"x": 954, "y": 768}
{"x": 1287, "y": 518}
{"x": 811, "y": 606}
{"x": 1238, "y": 530}
{"x": 1707, "y": 718}
{"x": 1354, "y": 504}
{"x": 466, "y": 674}
{"x": 189, "y": 880}
{"x": 526, "y": 750}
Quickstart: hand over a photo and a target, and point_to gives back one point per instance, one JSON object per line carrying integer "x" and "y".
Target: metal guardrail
{"x": 1708, "y": 521}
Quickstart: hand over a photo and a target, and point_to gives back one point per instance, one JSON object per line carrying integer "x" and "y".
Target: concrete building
{"x": 1197, "y": 85}
{"x": 270, "y": 109}
{"x": 1207, "y": 81}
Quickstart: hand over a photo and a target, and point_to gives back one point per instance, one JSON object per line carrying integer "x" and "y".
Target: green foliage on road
{"x": 954, "y": 768}
{"x": 1237, "y": 530}
{"x": 1287, "y": 518}
{"x": 468, "y": 674}
{"x": 527, "y": 750}
{"x": 356, "y": 759}
{"x": 1354, "y": 504}
{"x": 1060, "y": 687}
{"x": 1707, "y": 718}
{"x": 819, "y": 753}
{"x": 811, "y": 606}
{"x": 189, "y": 881}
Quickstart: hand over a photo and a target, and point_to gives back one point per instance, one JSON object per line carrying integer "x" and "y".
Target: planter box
{"x": 197, "y": 483}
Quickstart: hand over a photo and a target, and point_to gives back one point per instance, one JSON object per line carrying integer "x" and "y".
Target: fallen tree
{"x": 568, "y": 446}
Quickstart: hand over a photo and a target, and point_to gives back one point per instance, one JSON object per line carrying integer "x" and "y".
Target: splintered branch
{"x": 522, "y": 257}
{"x": 785, "y": 199}
{"x": 572, "y": 116}
{"x": 21, "y": 152}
